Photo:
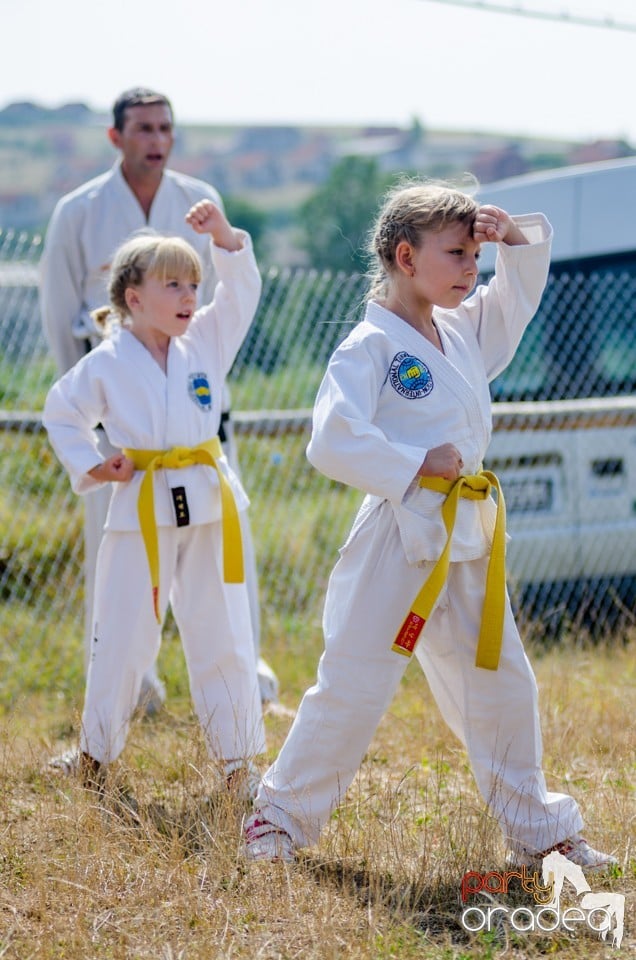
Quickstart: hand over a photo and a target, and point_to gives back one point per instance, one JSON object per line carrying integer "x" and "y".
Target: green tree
{"x": 243, "y": 214}
{"x": 336, "y": 219}
{"x": 547, "y": 161}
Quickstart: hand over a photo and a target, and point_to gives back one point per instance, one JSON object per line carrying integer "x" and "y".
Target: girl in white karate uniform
{"x": 173, "y": 528}
{"x": 403, "y": 413}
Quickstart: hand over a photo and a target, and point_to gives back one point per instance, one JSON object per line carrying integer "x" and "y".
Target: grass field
{"x": 81, "y": 880}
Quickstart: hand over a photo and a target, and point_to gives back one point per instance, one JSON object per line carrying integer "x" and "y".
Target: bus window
{"x": 616, "y": 356}
{"x": 532, "y": 372}
{"x": 582, "y": 341}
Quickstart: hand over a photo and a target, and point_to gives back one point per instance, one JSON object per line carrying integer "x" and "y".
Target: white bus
{"x": 564, "y": 444}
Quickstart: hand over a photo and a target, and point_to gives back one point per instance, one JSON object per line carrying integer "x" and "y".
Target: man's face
{"x": 146, "y": 140}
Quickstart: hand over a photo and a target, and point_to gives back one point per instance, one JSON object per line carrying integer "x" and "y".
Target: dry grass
{"x": 81, "y": 879}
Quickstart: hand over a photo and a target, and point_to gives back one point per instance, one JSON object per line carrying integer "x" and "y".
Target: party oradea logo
{"x": 603, "y": 913}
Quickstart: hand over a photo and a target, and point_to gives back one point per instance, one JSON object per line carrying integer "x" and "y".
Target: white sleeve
{"x": 62, "y": 269}
{"x": 223, "y": 324}
{"x": 209, "y": 273}
{"x": 73, "y": 408}
{"x": 345, "y": 443}
{"x": 501, "y": 311}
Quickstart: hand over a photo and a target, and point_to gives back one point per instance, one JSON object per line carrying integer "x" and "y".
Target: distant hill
{"x": 26, "y": 114}
{"x": 47, "y": 151}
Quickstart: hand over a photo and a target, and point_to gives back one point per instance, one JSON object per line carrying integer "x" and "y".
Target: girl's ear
{"x": 131, "y": 296}
{"x": 404, "y": 257}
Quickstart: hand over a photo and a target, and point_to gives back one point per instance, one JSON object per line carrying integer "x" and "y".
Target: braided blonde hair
{"x": 409, "y": 210}
{"x": 141, "y": 256}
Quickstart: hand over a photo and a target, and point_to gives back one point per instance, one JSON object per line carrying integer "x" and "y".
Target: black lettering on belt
{"x": 182, "y": 513}
{"x": 225, "y": 418}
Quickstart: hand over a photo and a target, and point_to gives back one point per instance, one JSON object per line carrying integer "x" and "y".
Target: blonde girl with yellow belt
{"x": 172, "y": 533}
{"x": 403, "y": 414}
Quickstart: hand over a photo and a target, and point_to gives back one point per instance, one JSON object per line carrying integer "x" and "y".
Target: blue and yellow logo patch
{"x": 199, "y": 390}
{"x": 410, "y": 377}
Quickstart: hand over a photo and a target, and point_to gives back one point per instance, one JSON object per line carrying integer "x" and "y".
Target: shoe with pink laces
{"x": 575, "y": 848}
{"x": 266, "y": 841}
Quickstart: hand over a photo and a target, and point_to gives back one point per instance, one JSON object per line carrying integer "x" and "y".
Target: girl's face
{"x": 162, "y": 308}
{"x": 445, "y": 265}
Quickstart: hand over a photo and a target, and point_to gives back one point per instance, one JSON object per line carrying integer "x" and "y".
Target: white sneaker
{"x": 66, "y": 763}
{"x": 267, "y": 682}
{"x": 266, "y": 841}
{"x": 242, "y": 779}
{"x": 574, "y": 848}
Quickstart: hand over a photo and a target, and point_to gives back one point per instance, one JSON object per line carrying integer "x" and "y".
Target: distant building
{"x": 600, "y": 150}
{"x": 499, "y": 164}
{"x": 46, "y": 152}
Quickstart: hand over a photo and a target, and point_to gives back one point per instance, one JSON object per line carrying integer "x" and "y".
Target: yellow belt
{"x": 474, "y": 487}
{"x": 207, "y": 453}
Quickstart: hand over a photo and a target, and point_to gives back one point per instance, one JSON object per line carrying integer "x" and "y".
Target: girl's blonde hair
{"x": 141, "y": 256}
{"x": 408, "y": 212}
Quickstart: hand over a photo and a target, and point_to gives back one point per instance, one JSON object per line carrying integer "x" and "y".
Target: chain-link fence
{"x": 564, "y": 448}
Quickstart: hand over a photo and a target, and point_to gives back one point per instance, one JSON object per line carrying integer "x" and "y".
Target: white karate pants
{"x": 214, "y": 624}
{"x": 494, "y": 713}
{"x": 95, "y": 510}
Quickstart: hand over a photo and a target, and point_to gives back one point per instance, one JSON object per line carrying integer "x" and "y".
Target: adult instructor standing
{"x": 86, "y": 227}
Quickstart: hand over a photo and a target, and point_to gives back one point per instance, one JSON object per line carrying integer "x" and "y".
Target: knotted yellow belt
{"x": 474, "y": 487}
{"x": 207, "y": 453}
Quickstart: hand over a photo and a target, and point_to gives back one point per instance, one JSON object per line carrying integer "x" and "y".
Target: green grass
{"x": 23, "y": 386}
{"x": 77, "y": 881}
{"x": 80, "y": 882}
{"x": 298, "y": 520}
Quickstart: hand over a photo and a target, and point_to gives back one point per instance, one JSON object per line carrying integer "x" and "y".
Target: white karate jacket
{"x": 120, "y": 385}
{"x": 389, "y": 395}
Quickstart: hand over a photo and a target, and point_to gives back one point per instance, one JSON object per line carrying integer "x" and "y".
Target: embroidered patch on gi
{"x": 199, "y": 390}
{"x": 410, "y": 377}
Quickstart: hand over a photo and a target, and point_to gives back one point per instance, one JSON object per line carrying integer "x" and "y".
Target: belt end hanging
{"x": 489, "y": 645}
{"x": 155, "y": 603}
{"x": 408, "y": 635}
{"x": 488, "y": 661}
{"x": 233, "y": 566}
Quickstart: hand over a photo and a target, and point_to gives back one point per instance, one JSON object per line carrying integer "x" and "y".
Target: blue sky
{"x": 332, "y": 61}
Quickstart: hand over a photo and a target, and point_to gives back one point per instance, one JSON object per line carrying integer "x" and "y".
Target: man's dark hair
{"x": 136, "y": 97}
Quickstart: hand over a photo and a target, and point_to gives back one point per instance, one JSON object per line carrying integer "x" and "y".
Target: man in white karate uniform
{"x": 86, "y": 227}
